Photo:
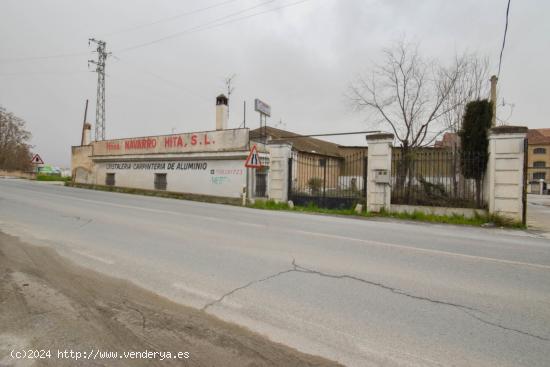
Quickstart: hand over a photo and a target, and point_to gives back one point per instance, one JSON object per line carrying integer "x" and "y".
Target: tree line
{"x": 15, "y": 150}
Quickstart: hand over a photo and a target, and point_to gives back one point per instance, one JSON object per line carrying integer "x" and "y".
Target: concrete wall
{"x": 215, "y": 177}
{"x": 277, "y": 181}
{"x": 437, "y": 210}
{"x": 18, "y": 174}
{"x": 379, "y": 158}
{"x": 505, "y": 171}
{"x": 81, "y": 164}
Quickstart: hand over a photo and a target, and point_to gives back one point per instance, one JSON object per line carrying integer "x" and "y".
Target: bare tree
{"x": 409, "y": 94}
{"x": 472, "y": 85}
{"x": 14, "y": 147}
{"x": 417, "y": 98}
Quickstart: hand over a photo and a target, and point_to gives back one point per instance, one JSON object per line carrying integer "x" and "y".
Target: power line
{"x": 196, "y": 28}
{"x": 214, "y": 23}
{"x": 45, "y": 57}
{"x": 169, "y": 19}
{"x": 206, "y": 26}
{"x": 504, "y": 38}
{"x": 129, "y": 29}
{"x": 30, "y": 73}
{"x": 328, "y": 134}
{"x": 169, "y": 82}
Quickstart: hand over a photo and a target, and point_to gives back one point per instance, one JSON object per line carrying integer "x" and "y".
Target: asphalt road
{"x": 538, "y": 213}
{"x": 357, "y": 291}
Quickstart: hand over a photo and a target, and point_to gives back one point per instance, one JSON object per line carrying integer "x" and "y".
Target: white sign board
{"x": 262, "y": 107}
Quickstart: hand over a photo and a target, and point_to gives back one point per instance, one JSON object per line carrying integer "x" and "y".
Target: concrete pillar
{"x": 379, "y": 164}
{"x": 277, "y": 179}
{"x": 505, "y": 171}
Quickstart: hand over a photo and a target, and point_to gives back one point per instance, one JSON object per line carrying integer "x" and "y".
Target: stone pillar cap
{"x": 380, "y": 136}
{"x": 508, "y": 130}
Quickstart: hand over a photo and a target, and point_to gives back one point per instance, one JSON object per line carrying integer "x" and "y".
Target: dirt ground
{"x": 50, "y": 304}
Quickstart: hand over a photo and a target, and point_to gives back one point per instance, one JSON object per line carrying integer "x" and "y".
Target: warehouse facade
{"x": 203, "y": 163}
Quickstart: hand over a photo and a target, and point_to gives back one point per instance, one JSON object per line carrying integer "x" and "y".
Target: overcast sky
{"x": 300, "y": 59}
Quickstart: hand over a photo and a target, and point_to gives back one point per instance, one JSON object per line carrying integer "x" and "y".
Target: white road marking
{"x": 195, "y": 292}
{"x": 94, "y": 257}
{"x": 325, "y": 235}
{"x": 425, "y": 250}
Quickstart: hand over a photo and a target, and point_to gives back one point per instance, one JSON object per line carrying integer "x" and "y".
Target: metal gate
{"x": 525, "y": 173}
{"x": 328, "y": 182}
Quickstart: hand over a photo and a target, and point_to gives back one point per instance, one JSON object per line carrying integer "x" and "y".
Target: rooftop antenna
{"x": 230, "y": 89}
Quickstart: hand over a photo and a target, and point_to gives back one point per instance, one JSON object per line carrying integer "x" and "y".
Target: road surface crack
{"x": 143, "y": 319}
{"x": 301, "y": 269}
{"x": 507, "y": 328}
{"x": 78, "y": 219}
{"x": 206, "y": 306}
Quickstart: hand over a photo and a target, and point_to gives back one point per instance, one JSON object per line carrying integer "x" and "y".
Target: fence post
{"x": 278, "y": 175}
{"x": 505, "y": 171}
{"x": 379, "y": 159}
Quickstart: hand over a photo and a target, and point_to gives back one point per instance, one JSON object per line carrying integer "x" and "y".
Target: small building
{"x": 538, "y": 159}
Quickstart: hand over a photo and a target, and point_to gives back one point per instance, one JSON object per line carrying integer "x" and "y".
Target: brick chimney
{"x": 221, "y": 112}
{"x": 86, "y": 134}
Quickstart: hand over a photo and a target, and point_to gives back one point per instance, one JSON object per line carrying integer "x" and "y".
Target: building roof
{"x": 538, "y": 136}
{"x": 448, "y": 140}
{"x": 302, "y": 144}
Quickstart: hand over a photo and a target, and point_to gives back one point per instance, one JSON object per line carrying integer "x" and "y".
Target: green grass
{"x": 52, "y": 178}
{"x": 476, "y": 220}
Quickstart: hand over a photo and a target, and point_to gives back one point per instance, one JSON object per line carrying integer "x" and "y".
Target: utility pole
{"x": 102, "y": 55}
{"x": 84, "y": 123}
{"x": 494, "y": 81}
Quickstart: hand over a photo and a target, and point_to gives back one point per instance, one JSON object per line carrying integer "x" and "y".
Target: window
{"x": 110, "y": 179}
{"x": 539, "y": 176}
{"x": 261, "y": 183}
{"x": 539, "y": 151}
{"x": 539, "y": 164}
{"x": 160, "y": 181}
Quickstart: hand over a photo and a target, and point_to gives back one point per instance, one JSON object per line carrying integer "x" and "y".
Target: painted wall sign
{"x": 208, "y": 177}
{"x": 208, "y": 141}
{"x": 155, "y": 166}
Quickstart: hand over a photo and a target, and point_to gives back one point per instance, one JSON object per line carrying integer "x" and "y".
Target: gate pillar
{"x": 506, "y": 172}
{"x": 278, "y": 176}
{"x": 379, "y": 172}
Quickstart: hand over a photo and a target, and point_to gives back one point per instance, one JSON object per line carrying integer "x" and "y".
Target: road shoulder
{"x": 49, "y": 303}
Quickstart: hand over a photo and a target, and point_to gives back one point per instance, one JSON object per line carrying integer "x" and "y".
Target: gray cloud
{"x": 300, "y": 59}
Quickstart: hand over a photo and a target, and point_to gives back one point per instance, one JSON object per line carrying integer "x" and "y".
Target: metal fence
{"x": 328, "y": 182}
{"x": 438, "y": 177}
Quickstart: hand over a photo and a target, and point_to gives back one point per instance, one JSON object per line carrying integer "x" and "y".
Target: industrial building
{"x": 202, "y": 163}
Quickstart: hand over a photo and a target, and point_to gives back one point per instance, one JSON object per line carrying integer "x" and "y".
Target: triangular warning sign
{"x": 36, "y": 159}
{"x": 253, "y": 160}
